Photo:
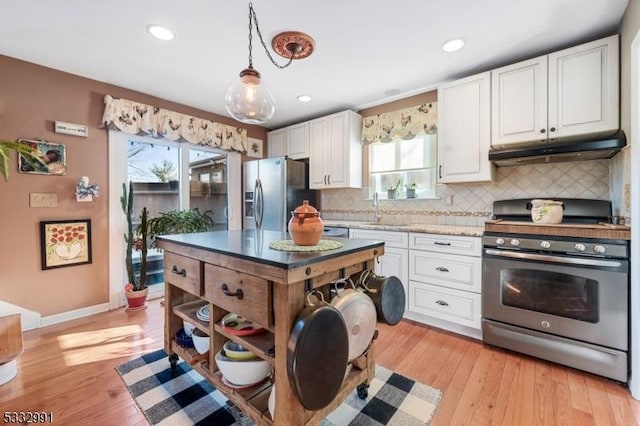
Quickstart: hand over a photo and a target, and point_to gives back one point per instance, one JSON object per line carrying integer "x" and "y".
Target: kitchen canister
{"x": 546, "y": 211}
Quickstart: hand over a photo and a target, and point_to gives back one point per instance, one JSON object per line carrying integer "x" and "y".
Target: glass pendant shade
{"x": 249, "y": 101}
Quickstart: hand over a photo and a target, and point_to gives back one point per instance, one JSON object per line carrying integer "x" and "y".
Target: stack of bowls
{"x": 248, "y": 370}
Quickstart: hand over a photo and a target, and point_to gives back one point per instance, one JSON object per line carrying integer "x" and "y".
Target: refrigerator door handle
{"x": 259, "y": 203}
{"x": 256, "y": 205}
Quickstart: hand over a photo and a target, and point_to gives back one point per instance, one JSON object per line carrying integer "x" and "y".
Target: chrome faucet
{"x": 377, "y": 216}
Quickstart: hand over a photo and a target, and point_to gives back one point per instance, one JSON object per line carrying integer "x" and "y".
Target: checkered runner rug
{"x": 188, "y": 399}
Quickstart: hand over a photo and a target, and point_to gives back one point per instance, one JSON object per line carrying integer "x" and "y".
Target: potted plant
{"x": 393, "y": 190}
{"x": 136, "y": 289}
{"x": 411, "y": 190}
{"x": 26, "y": 151}
{"x": 178, "y": 222}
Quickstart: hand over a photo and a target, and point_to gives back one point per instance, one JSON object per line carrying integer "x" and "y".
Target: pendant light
{"x": 248, "y": 100}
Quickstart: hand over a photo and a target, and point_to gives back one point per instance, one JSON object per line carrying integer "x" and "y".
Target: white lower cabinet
{"x": 395, "y": 261}
{"x": 445, "y": 275}
{"x": 461, "y": 307}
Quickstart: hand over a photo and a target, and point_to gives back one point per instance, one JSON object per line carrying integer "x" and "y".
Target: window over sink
{"x": 403, "y": 168}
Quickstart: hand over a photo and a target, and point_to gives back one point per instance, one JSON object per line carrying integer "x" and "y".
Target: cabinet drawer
{"x": 390, "y": 238}
{"x": 454, "y": 244}
{"x": 446, "y": 304}
{"x": 255, "y": 304}
{"x": 183, "y": 272}
{"x": 449, "y": 270}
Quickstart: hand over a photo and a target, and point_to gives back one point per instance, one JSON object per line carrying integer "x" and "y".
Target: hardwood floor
{"x": 69, "y": 370}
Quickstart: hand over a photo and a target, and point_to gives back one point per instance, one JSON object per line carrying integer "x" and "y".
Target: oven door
{"x": 576, "y": 297}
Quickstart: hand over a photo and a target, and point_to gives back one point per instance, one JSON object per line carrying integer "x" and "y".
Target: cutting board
{"x": 590, "y": 230}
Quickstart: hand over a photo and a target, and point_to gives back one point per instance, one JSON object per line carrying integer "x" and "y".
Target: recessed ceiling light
{"x": 160, "y": 32}
{"x": 453, "y": 45}
{"x": 304, "y": 98}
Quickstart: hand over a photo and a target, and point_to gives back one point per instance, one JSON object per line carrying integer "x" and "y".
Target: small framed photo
{"x": 65, "y": 243}
{"x": 254, "y": 148}
{"x": 52, "y": 155}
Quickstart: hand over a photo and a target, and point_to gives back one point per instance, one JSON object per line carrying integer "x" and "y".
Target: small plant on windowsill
{"x": 411, "y": 190}
{"x": 392, "y": 191}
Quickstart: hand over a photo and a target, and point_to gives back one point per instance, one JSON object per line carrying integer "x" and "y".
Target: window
{"x": 397, "y": 167}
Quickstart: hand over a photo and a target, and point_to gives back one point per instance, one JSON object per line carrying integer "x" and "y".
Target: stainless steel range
{"x": 555, "y": 292}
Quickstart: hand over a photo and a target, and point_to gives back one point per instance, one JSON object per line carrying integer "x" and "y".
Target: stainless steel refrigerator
{"x": 273, "y": 187}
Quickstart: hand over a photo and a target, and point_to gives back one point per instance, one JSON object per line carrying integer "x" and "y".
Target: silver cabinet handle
{"x": 442, "y": 303}
{"x": 442, "y": 269}
{"x": 329, "y": 179}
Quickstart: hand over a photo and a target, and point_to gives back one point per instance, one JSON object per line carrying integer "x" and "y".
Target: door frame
{"x": 118, "y": 174}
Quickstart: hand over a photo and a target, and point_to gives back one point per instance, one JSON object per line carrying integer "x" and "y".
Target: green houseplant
{"x": 179, "y": 222}
{"x": 136, "y": 289}
{"x": 6, "y": 147}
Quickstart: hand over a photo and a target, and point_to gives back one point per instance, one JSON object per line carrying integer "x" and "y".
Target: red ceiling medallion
{"x": 300, "y": 44}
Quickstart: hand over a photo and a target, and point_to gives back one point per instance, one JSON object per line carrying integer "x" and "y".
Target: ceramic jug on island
{"x": 305, "y": 225}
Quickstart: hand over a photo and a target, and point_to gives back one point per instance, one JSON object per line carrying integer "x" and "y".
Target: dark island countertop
{"x": 253, "y": 245}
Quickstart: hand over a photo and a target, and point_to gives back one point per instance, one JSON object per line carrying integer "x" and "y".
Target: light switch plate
{"x": 43, "y": 199}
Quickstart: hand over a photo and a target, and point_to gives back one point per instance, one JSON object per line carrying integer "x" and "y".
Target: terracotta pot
{"x": 305, "y": 225}
{"x": 136, "y": 300}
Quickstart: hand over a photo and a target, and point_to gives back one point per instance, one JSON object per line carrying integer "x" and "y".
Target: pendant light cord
{"x": 253, "y": 18}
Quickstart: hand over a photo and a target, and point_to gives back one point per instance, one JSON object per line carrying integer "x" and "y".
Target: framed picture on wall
{"x": 254, "y": 148}
{"x": 65, "y": 243}
{"x": 52, "y": 155}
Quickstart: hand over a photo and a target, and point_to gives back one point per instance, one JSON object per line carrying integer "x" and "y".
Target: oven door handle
{"x": 555, "y": 259}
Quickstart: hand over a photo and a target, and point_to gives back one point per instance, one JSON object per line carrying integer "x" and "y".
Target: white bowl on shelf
{"x": 201, "y": 341}
{"x": 243, "y": 372}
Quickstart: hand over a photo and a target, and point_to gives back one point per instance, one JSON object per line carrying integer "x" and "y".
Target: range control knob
{"x": 579, "y": 247}
{"x": 545, "y": 244}
{"x": 500, "y": 241}
{"x": 515, "y": 242}
{"x": 599, "y": 249}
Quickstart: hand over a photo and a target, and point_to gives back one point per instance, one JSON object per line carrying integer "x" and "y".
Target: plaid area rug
{"x": 189, "y": 399}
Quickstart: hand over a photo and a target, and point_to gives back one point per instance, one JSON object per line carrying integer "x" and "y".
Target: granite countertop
{"x": 253, "y": 245}
{"x": 469, "y": 231}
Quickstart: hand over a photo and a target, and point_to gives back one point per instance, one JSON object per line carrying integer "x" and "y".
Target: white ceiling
{"x": 363, "y": 47}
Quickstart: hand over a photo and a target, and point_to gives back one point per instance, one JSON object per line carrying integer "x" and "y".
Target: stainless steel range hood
{"x": 554, "y": 152}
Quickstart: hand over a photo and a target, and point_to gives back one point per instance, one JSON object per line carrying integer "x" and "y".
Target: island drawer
{"x": 183, "y": 272}
{"x": 221, "y": 287}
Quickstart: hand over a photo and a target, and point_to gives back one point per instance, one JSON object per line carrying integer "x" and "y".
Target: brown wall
{"x": 31, "y": 99}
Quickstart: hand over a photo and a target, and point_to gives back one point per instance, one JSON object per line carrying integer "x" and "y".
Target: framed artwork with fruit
{"x": 65, "y": 243}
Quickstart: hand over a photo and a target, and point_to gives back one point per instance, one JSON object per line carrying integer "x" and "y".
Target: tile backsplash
{"x": 471, "y": 204}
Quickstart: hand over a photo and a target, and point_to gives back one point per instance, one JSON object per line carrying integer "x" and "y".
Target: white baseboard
{"x": 30, "y": 319}
{"x": 71, "y": 315}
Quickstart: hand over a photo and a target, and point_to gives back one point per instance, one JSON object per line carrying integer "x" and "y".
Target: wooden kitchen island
{"x": 209, "y": 268}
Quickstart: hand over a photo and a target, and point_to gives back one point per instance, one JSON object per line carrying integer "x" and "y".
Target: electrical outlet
{"x": 43, "y": 199}
{"x": 627, "y": 197}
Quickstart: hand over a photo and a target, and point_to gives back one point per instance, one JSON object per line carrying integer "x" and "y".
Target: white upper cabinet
{"x": 335, "y": 153}
{"x": 464, "y": 130}
{"x": 277, "y": 143}
{"x": 292, "y": 141}
{"x": 567, "y": 93}
{"x": 298, "y": 141}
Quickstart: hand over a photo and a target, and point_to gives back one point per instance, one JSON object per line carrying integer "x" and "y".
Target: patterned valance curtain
{"x": 140, "y": 119}
{"x": 401, "y": 124}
